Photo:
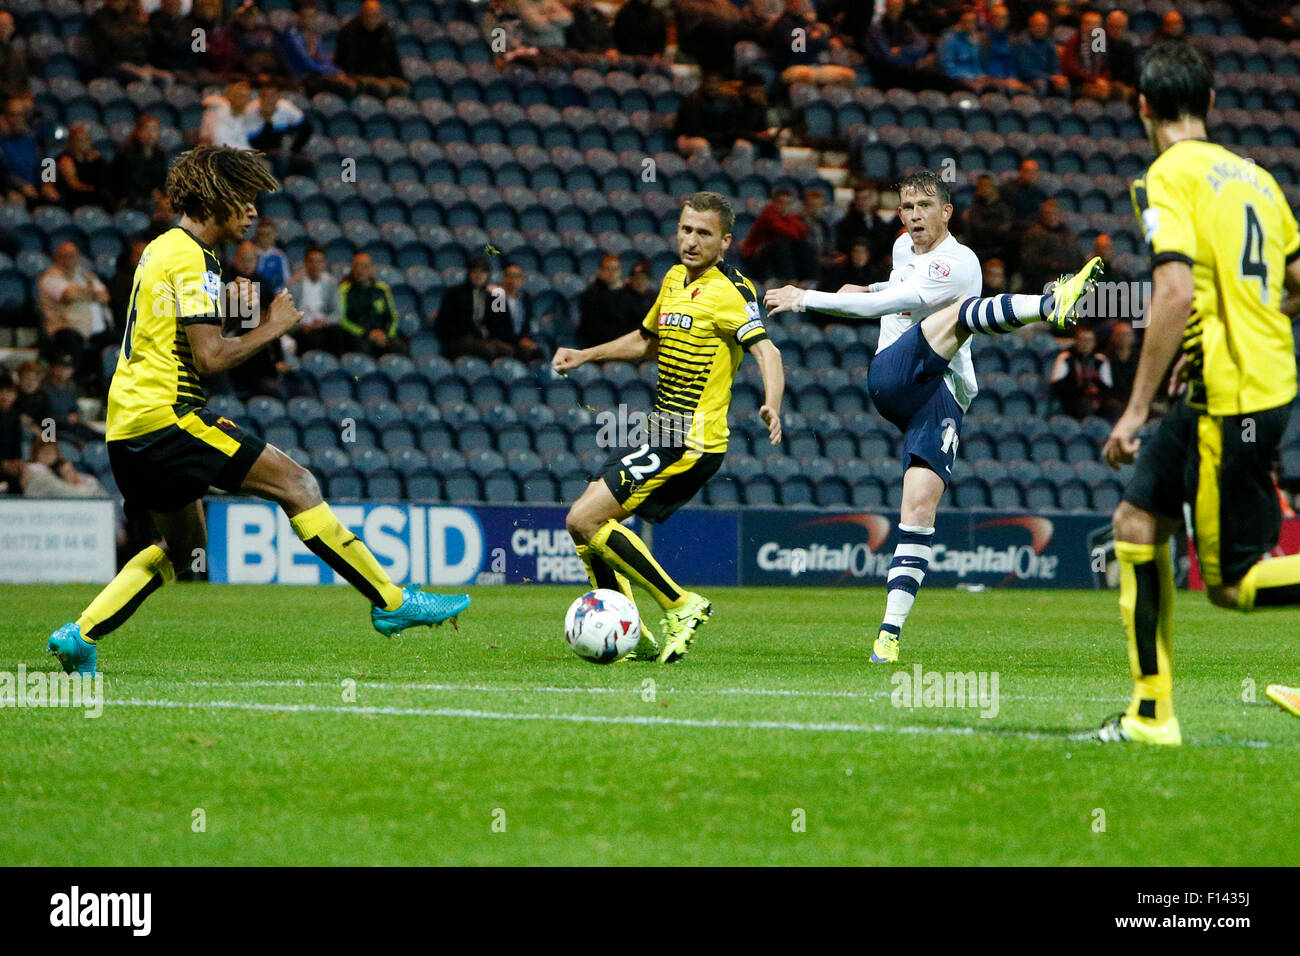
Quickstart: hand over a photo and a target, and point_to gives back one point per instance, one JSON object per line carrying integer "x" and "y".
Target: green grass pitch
{"x": 231, "y": 736}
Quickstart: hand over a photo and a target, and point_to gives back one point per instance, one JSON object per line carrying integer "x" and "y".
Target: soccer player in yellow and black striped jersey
{"x": 1223, "y": 244}
{"x": 707, "y": 315}
{"x": 166, "y": 448}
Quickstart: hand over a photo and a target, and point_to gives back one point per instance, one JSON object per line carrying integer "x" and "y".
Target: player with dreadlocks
{"x": 166, "y": 448}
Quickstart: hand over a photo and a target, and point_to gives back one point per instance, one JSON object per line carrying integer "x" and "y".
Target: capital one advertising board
{"x": 855, "y": 549}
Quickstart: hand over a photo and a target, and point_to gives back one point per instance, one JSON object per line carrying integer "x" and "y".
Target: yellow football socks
{"x": 623, "y": 551}
{"x": 347, "y": 555}
{"x": 141, "y": 576}
{"x": 1146, "y": 603}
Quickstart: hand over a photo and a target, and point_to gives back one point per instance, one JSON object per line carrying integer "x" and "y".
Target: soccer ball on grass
{"x": 602, "y": 626}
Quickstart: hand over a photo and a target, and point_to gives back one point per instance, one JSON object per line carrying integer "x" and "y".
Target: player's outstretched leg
{"x": 277, "y": 477}
{"x": 1146, "y": 602}
{"x": 1271, "y": 582}
{"x": 999, "y": 314}
{"x": 601, "y": 575}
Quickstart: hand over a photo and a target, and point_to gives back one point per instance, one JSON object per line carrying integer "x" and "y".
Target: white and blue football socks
{"x": 906, "y": 572}
{"x": 999, "y": 314}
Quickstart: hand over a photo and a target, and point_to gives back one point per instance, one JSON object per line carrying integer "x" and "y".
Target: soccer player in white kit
{"x": 922, "y": 379}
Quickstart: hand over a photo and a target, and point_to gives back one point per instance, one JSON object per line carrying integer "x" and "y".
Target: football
{"x": 602, "y": 626}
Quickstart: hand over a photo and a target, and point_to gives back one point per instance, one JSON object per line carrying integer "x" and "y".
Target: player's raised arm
{"x": 856, "y": 305}
{"x": 633, "y": 347}
{"x": 768, "y": 357}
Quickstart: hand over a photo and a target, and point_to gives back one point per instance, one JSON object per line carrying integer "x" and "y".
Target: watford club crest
{"x": 694, "y": 293}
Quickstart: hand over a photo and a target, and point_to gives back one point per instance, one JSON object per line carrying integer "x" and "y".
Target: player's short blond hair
{"x": 713, "y": 202}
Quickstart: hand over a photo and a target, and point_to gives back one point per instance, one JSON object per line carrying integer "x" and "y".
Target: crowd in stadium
{"x": 256, "y": 71}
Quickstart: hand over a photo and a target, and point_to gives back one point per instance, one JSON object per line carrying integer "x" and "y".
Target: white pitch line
{"x": 642, "y": 721}
{"x": 507, "y": 689}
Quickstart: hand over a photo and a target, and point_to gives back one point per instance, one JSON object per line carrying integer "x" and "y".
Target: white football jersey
{"x": 946, "y": 274}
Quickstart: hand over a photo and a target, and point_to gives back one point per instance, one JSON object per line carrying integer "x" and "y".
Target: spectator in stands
{"x": 821, "y": 234}
{"x": 933, "y": 17}
{"x": 1268, "y": 18}
{"x": 753, "y": 119}
{"x": 602, "y": 308}
{"x": 11, "y": 436}
{"x": 803, "y": 57}
{"x": 305, "y": 59}
{"x": 989, "y": 221}
{"x": 777, "y": 246}
{"x": 1049, "y": 249}
{"x": 139, "y": 169}
{"x": 638, "y": 294}
{"x": 1172, "y": 27}
{"x": 1085, "y": 59}
{"x": 862, "y": 221}
{"x": 1123, "y": 55}
{"x": 961, "y": 52}
{"x": 74, "y": 309}
{"x": 219, "y": 61}
{"x": 14, "y": 78}
{"x": 63, "y": 394}
{"x": 707, "y": 118}
{"x": 316, "y": 293}
{"x": 248, "y": 295}
{"x": 47, "y": 474}
{"x": 280, "y": 129}
{"x": 707, "y": 32}
{"x": 509, "y": 319}
{"x": 1122, "y": 354}
{"x": 255, "y": 41}
{"x": 1081, "y": 376}
{"x": 590, "y": 30}
{"x": 462, "y": 321}
{"x": 171, "y": 41}
{"x": 995, "y": 277}
{"x": 857, "y": 270}
{"x": 121, "y": 41}
{"x": 544, "y": 22}
{"x": 369, "y": 312}
{"x": 226, "y": 119}
{"x": 899, "y": 53}
{"x": 1103, "y": 245}
{"x": 999, "y": 58}
{"x": 1037, "y": 61}
{"x": 640, "y": 29}
{"x": 83, "y": 178}
{"x": 34, "y": 406}
{"x": 272, "y": 263}
{"x": 19, "y": 146}
{"x": 1025, "y": 194}
{"x": 366, "y": 50}
{"x": 123, "y": 280}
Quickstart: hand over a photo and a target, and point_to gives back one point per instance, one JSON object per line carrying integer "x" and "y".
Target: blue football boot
{"x": 73, "y": 651}
{"x": 419, "y": 608}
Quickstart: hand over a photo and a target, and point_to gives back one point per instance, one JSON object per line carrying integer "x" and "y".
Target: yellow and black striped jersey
{"x": 702, "y": 327}
{"x": 177, "y": 283}
{"x": 1225, "y": 217}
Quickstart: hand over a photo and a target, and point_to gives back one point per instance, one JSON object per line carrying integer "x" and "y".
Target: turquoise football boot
{"x": 73, "y": 651}
{"x": 419, "y": 608}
